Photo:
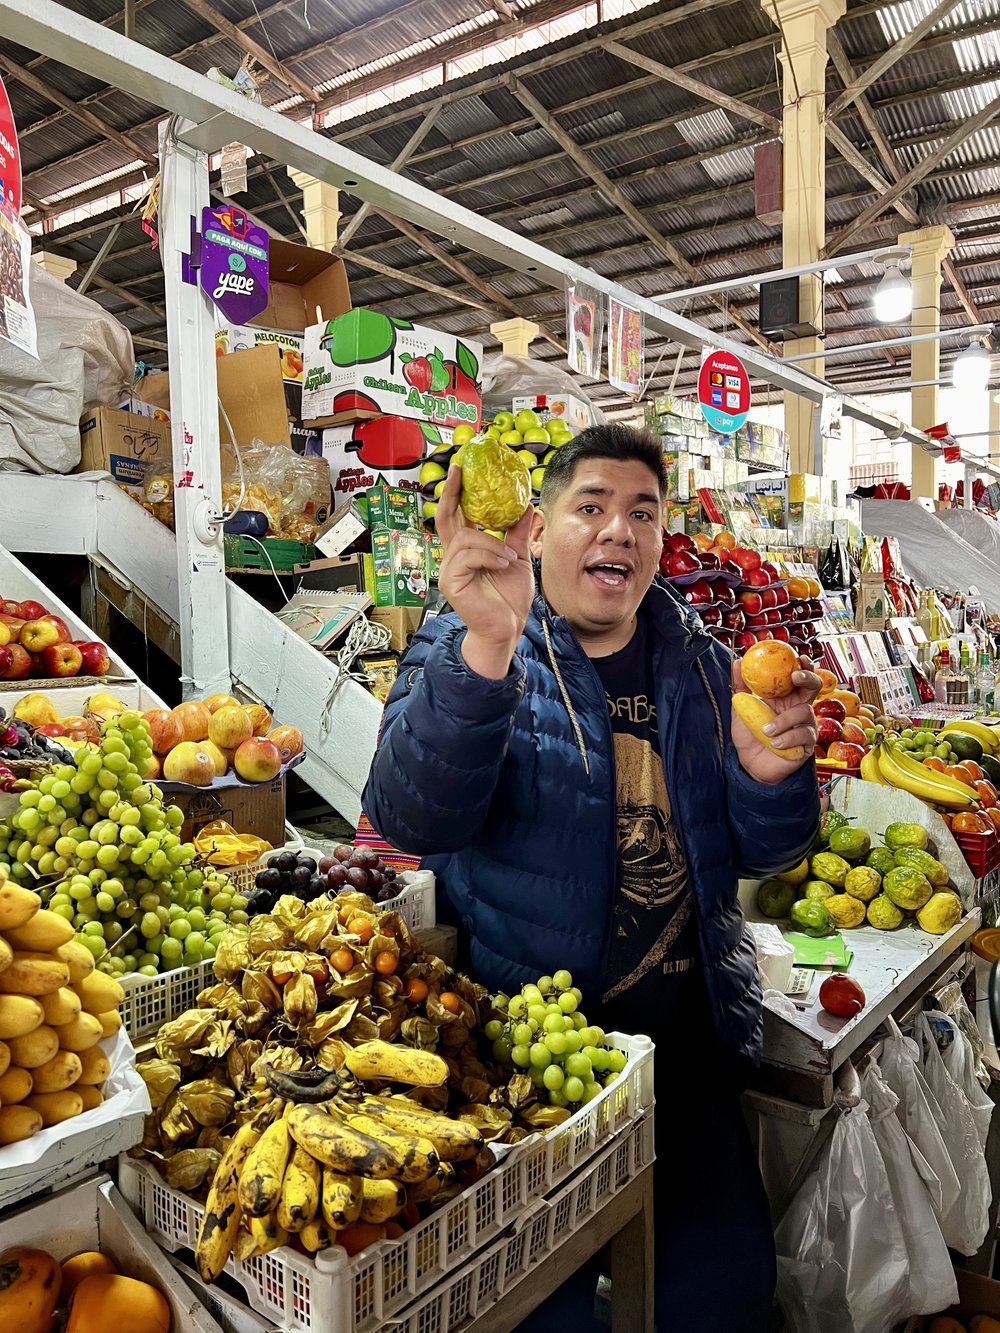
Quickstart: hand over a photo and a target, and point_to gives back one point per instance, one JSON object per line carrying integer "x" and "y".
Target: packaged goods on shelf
{"x": 292, "y": 492}
{"x": 391, "y": 507}
{"x": 122, "y": 443}
{"x": 399, "y": 560}
{"x": 390, "y": 447}
{"x": 364, "y": 364}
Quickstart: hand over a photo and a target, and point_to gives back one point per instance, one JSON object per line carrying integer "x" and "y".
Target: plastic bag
{"x": 292, "y": 492}
{"x": 965, "y": 1226}
{"x": 960, "y": 1061}
{"x": 220, "y": 844}
{"x": 931, "y": 1276}
{"x": 842, "y": 1259}
{"x": 508, "y": 377}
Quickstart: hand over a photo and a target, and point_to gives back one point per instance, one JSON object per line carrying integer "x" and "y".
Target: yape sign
{"x": 10, "y": 157}
{"x": 234, "y": 263}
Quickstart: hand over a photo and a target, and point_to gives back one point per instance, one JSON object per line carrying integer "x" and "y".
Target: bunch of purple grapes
{"x": 288, "y": 872}
{"x": 361, "y": 870}
{"x": 349, "y": 869}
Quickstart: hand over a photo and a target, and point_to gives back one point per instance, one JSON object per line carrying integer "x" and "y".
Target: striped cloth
{"x": 367, "y": 837}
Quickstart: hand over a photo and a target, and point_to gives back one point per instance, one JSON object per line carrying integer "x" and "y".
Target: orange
{"x": 768, "y": 667}
{"x": 726, "y": 540}
{"x": 798, "y": 589}
{"x": 987, "y": 793}
{"x": 938, "y": 765}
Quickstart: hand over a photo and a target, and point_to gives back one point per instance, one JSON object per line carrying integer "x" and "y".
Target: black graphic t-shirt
{"x": 654, "y": 936}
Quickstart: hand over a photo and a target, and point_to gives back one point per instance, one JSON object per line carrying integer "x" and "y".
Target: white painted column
{"x": 320, "y": 209}
{"x": 515, "y": 335}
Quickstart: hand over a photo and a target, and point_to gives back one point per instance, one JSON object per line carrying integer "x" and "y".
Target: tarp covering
{"x": 980, "y": 531}
{"x": 934, "y": 554}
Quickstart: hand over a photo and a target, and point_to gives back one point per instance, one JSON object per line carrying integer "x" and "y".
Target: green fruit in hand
{"x": 906, "y": 835}
{"x": 496, "y": 486}
{"x": 940, "y": 913}
{"x": 833, "y": 819}
{"x": 881, "y": 859}
{"x": 831, "y": 867}
{"x": 851, "y": 843}
{"x": 907, "y": 888}
{"x": 883, "y": 913}
{"x": 817, "y": 890}
{"x": 775, "y": 898}
{"x": 811, "y": 918}
{"x": 863, "y": 883}
{"x": 925, "y": 863}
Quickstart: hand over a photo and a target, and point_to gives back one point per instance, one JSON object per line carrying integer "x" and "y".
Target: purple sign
{"x": 234, "y": 263}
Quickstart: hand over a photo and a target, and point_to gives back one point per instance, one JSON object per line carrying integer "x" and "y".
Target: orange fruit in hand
{"x": 767, "y": 668}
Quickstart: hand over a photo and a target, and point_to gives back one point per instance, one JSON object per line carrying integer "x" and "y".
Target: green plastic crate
{"x": 252, "y": 554}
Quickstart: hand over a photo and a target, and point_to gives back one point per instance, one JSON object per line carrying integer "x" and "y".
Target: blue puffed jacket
{"x": 507, "y": 788}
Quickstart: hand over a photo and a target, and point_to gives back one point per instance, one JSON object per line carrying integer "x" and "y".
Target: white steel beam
{"x": 81, "y": 44}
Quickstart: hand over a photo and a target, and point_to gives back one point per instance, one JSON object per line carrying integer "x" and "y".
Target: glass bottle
{"x": 925, "y": 618}
{"x": 945, "y": 678}
{"x": 985, "y": 683}
{"x": 966, "y": 669}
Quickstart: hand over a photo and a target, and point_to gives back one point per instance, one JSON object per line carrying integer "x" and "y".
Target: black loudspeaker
{"x": 779, "y": 311}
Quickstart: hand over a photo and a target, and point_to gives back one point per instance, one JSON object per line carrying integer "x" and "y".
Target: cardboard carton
{"x": 251, "y": 391}
{"x": 259, "y": 809}
{"x": 121, "y": 443}
{"x": 341, "y": 530}
{"x": 384, "y": 448}
{"x": 574, "y": 411}
{"x": 400, "y": 621}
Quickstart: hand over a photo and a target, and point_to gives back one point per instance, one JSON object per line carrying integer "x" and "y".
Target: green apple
{"x": 439, "y": 489}
{"x": 504, "y": 421}
{"x": 536, "y": 435}
{"x": 527, "y": 420}
{"x": 527, "y": 458}
{"x": 494, "y": 433}
{"x": 557, "y": 427}
{"x": 537, "y": 477}
{"x": 462, "y": 434}
{"x": 513, "y": 438}
{"x": 547, "y": 458}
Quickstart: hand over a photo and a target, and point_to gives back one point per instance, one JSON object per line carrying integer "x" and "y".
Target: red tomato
{"x": 842, "y": 996}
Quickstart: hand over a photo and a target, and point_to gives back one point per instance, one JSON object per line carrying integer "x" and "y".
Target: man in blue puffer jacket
{"x": 565, "y": 756}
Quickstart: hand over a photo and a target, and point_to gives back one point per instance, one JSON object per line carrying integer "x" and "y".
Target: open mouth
{"x": 610, "y": 574}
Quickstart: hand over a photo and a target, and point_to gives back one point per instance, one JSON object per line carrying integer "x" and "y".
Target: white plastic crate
{"x": 230, "y": 1314}
{"x": 150, "y": 1002}
{"x": 489, "y": 1275}
{"x": 94, "y": 1216}
{"x": 331, "y": 1290}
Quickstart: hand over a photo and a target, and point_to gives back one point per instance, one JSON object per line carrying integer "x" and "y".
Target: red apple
{"x": 725, "y": 636}
{"x": 853, "y": 734}
{"x": 731, "y": 568}
{"x": 751, "y": 602}
{"x": 14, "y": 623}
{"x": 745, "y": 557}
{"x": 819, "y": 752}
{"x": 770, "y": 570}
{"x": 60, "y": 659}
{"x": 769, "y": 596}
{"x": 96, "y": 661}
{"x": 782, "y": 596}
{"x": 61, "y": 626}
{"x": 257, "y": 760}
{"x": 722, "y": 592}
{"x": 30, "y": 610}
{"x": 763, "y": 634}
{"x": 9, "y": 608}
{"x": 711, "y": 615}
{"x": 851, "y": 755}
{"x": 830, "y": 708}
{"x": 773, "y": 616}
{"x": 756, "y": 578}
{"x": 38, "y": 634}
{"x": 815, "y": 608}
{"x": 709, "y": 560}
{"x": 698, "y": 593}
{"x": 744, "y": 640}
{"x": 807, "y": 630}
{"x": 6, "y": 659}
{"x": 21, "y": 663}
{"x": 680, "y": 562}
{"x": 733, "y": 618}
{"x": 828, "y": 730}
{"x": 758, "y": 621}
{"x": 781, "y": 634}
{"x": 51, "y": 729}
{"x": 679, "y": 541}
{"x": 165, "y": 730}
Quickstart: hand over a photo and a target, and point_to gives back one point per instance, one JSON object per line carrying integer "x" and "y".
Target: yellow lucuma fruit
{"x": 863, "y": 883}
{"x": 940, "y": 912}
{"x": 845, "y": 910}
{"x": 798, "y": 874}
{"x": 883, "y": 913}
{"x": 496, "y": 485}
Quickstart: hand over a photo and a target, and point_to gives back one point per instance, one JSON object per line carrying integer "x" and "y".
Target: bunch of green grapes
{"x": 96, "y": 840}
{"x": 546, "y": 1036}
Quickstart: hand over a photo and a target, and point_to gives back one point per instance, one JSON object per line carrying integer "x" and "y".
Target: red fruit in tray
{"x": 759, "y": 621}
{"x": 830, "y": 708}
{"x": 769, "y": 596}
{"x": 828, "y": 730}
{"x": 722, "y": 592}
{"x": 815, "y": 608}
{"x": 60, "y": 659}
{"x": 745, "y": 557}
{"x": 842, "y": 996}
{"x": 61, "y": 627}
{"x": 680, "y": 562}
{"x": 709, "y": 560}
{"x": 712, "y": 615}
{"x": 770, "y": 570}
{"x": 781, "y": 634}
{"x": 679, "y": 541}
{"x": 733, "y": 618}
{"x": 845, "y": 753}
{"x": 773, "y": 616}
{"x": 819, "y": 752}
{"x": 782, "y": 596}
{"x": 699, "y": 593}
{"x": 745, "y": 639}
{"x": 751, "y": 602}
{"x": 6, "y": 660}
{"x": 756, "y": 578}
{"x": 30, "y": 610}
{"x": 763, "y": 634}
{"x": 732, "y": 568}
{"x": 853, "y": 734}
{"x": 94, "y": 659}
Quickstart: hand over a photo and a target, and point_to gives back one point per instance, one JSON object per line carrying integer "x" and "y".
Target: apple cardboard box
{"x": 121, "y": 443}
{"x": 259, "y": 809}
{"x": 381, "y": 449}
{"x": 365, "y": 364}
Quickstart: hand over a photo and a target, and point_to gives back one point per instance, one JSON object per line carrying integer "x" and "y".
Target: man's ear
{"x": 537, "y": 529}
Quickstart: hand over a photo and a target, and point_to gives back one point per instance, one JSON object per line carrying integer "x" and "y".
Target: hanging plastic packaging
{"x": 584, "y": 328}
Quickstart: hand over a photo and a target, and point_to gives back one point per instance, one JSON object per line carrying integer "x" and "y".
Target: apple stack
{"x": 785, "y": 609}
{"x": 202, "y": 740}
{"x": 35, "y": 643}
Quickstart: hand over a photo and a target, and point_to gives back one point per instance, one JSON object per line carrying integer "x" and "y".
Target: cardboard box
{"x": 304, "y": 285}
{"x": 341, "y": 530}
{"x": 574, "y": 411}
{"x": 400, "y": 621}
{"x": 392, "y": 507}
{"x": 399, "y": 558}
{"x": 389, "y": 449}
{"x": 251, "y": 390}
{"x": 120, "y": 443}
{"x": 259, "y": 809}
{"x": 364, "y": 365}
{"x": 344, "y": 573}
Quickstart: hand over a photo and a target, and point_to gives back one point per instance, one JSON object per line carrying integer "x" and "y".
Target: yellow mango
{"x": 33, "y": 1050}
{"x": 77, "y": 958}
{"x": 41, "y": 933}
{"x": 17, "y": 905}
{"x": 755, "y": 714}
{"x": 15, "y": 1085}
{"x": 55, "y": 1107}
{"x": 4, "y": 1058}
{"x": 89, "y": 1095}
{"x": 19, "y": 1015}
{"x": 18, "y": 1123}
{"x": 110, "y": 1021}
{"x": 84, "y": 1032}
{"x": 57, "y": 1074}
{"x": 62, "y": 1006}
{"x": 96, "y": 1066}
{"x": 98, "y": 993}
{"x": 34, "y": 974}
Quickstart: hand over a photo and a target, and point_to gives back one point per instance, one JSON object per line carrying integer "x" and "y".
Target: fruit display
{"x": 55, "y": 1009}
{"x": 82, "y": 1295}
{"x": 530, "y": 440}
{"x": 850, "y": 882}
{"x": 34, "y": 643}
{"x": 767, "y": 669}
{"x": 337, "y": 1081}
{"x": 22, "y": 744}
{"x": 297, "y": 873}
{"x": 202, "y": 740}
{"x": 102, "y": 850}
{"x": 946, "y": 1323}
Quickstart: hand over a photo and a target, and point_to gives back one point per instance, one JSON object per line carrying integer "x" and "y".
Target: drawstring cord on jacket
{"x": 720, "y": 733}
{"x": 577, "y": 732}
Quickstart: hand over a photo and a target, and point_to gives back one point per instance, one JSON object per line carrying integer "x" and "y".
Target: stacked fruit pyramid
{"x": 104, "y": 852}
{"x": 54, "y": 1010}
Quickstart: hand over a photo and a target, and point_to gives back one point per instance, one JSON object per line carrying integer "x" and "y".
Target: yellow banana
{"x": 300, "y": 1188}
{"x": 383, "y": 1200}
{"x": 755, "y": 715}
{"x": 870, "y": 769}
{"x": 244, "y": 1246}
{"x": 453, "y": 1140}
{"x": 221, "y": 1221}
{"x": 267, "y": 1234}
{"x": 416, "y": 1154}
{"x": 397, "y": 1064}
{"x": 315, "y": 1236}
{"x": 899, "y": 770}
{"x": 334, "y": 1143}
{"x": 264, "y": 1170}
{"x": 988, "y": 737}
{"x": 340, "y": 1199}
{"x": 427, "y": 1189}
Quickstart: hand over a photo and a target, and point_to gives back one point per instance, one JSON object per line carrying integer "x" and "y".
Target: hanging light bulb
{"x": 893, "y": 299}
{"x": 970, "y": 371}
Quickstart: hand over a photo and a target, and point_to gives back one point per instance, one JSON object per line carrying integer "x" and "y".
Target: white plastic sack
{"x": 506, "y": 377}
{"x": 931, "y": 1275}
{"x": 960, "y": 1061}
{"x": 965, "y": 1226}
{"x": 920, "y": 1117}
{"x": 842, "y": 1260}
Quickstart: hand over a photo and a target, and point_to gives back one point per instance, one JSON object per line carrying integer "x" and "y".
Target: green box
{"x": 268, "y": 555}
{"x": 399, "y": 557}
{"x": 392, "y": 507}
{"x": 435, "y": 554}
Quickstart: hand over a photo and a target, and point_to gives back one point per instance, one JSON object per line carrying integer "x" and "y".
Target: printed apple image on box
{"x": 390, "y": 449}
{"x": 365, "y": 363}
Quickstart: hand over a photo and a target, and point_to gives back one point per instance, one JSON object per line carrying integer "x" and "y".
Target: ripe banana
{"x": 222, "y": 1217}
{"x": 427, "y": 1189}
{"x": 340, "y": 1199}
{"x": 337, "y": 1145}
{"x": 988, "y": 737}
{"x": 899, "y": 770}
{"x": 870, "y": 771}
{"x": 316, "y": 1235}
{"x": 300, "y": 1188}
{"x": 416, "y": 1155}
{"x": 397, "y": 1064}
{"x": 264, "y": 1170}
{"x": 383, "y": 1200}
{"x": 267, "y": 1234}
{"x": 453, "y": 1140}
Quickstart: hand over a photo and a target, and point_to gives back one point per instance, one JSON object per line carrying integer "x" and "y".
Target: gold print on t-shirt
{"x": 652, "y": 861}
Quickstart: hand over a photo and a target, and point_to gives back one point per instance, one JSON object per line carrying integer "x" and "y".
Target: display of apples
{"x": 37, "y": 644}
{"x": 201, "y": 740}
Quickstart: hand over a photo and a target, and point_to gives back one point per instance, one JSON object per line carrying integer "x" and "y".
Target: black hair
{"x": 617, "y": 442}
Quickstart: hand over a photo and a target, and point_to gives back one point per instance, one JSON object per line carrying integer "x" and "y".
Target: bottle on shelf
{"x": 945, "y": 678}
{"x": 985, "y": 683}
{"x": 967, "y": 671}
{"x": 925, "y": 617}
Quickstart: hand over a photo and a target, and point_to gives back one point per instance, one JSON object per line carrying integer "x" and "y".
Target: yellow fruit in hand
{"x": 496, "y": 485}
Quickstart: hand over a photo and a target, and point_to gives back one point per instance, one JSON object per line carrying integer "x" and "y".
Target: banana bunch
{"x": 988, "y": 737}
{"x": 897, "y": 769}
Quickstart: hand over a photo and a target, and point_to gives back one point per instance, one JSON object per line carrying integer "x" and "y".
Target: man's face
{"x": 599, "y": 542}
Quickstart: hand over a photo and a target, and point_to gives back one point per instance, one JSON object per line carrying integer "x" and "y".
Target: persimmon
{"x": 938, "y": 765}
{"x": 987, "y": 793}
{"x": 973, "y": 769}
{"x": 966, "y": 822}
